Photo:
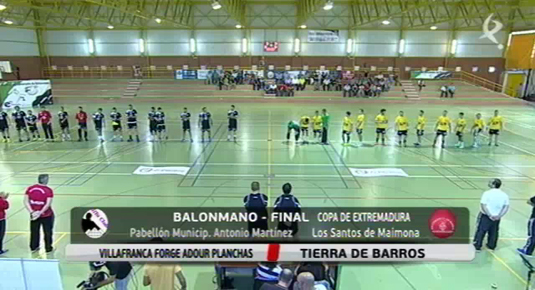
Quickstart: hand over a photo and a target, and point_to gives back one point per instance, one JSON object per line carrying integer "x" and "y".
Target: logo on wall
{"x": 95, "y": 223}
{"x": 271, "y": 46}
{"x": 490, "y": 33}
{"x": 442, "y": 223}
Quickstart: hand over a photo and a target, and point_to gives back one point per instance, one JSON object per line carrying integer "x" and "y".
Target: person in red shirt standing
{"x": 81, "y": 116}
{"x": 46, "y": 121}
{"x": 4, "y": 204}
{"x": 38, "y": 201}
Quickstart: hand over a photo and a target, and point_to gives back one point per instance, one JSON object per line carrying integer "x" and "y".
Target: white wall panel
{"x": 478, "y": 50}
{"x": 425, "y": 50}
{"x": 60, "y": 49}
{"x": 376, "y": 50}
{"x": 210, "y": 36}
{"x": 472, "y": 37}
{"x": 426, "y": 37}
{"x": 168, "y": 49}
{"x": 116, "y": 36}
{"x": 377, "y": 36}
{"x": 219, "y": 48}
{"x": 66, "y": 36}
{"x": 165, "y": 36}
{"x": 18, "y": 42}
{"x": 323, "y": 49}
{"x": 117, "y": 49}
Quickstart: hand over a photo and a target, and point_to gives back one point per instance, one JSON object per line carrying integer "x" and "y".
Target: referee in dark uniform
{"x": 530, "y": 243}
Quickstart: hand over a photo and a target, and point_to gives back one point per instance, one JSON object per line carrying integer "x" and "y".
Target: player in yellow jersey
{"x": 402, "y": 127}
{"x": 477, "y": 128}
{"x": 361, "y": 122}
{"x": 420, "y": 128}
{"x": 460, "y": 126}
{"x": 304, "y": 123}
{"x": 317, "y": 122}
{"x": 381, "y": 121}
{"x": 347, "y": 129}
{"x": 495, "y": 125}
{"x": 442, "y": 128}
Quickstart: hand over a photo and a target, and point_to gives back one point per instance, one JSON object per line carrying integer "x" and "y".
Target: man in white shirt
{"x": 494, "y": 205}
{"x": 444, "y": 91}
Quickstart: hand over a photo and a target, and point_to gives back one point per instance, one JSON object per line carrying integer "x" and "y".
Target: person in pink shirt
{"x": 38, "y": 202}
{"x": 4, "y": 205}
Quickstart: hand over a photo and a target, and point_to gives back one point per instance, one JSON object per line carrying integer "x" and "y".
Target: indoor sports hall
{"x": 174, "y": 54}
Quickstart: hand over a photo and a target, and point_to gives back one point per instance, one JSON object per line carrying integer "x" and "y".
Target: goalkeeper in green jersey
{"x": 293, "y": 125}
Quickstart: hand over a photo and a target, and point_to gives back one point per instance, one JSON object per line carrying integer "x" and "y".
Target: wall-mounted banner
{"x": 202, "y": 74}
{"x": 323, "y": 36}
{"x": 25, "y": 94}
{"x": 186, "y": 75}
{"x": 431, "y": 75}
{"x": 378, "y": 172}
{"x": 148, "y": 170}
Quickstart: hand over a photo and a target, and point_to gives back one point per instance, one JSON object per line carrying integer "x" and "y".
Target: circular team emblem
{"x": 95, "y": 223}
{"x": 442, "y": 223}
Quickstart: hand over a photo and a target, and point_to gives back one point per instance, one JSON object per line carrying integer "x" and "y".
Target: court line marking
{"x": 280, "y": 175}
{"x": 501, "y": 261}
{"x": 360, "y": 165}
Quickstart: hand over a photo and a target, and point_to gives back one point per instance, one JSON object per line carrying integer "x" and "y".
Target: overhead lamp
{"x": 328, "y": 5}
{"x": 386, "y": 22}
{"x": 158, "y": 20}
{"x": 401, "y": 46}
{"x": 238, "y": 26}
{"x": 303, "y": 26}
{"x": 192, "y": 46}
{"x": 141, "y": 45}
{"x": 110, "y": 27}
{"x": 91, "y": 46}
{"x": 433, "y": 27}
{"x": 453, "y": 46}
{"x": 2, "y": 7}
{"x": 216, "y": 5}
{"x": 8, "y": 22}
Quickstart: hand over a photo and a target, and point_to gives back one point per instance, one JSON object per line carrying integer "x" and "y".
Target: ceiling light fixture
{"x": 158, "y": 20}
{"x": 328, "y": 5}
{"x": 110, "y": 27}
{"x": 386, "y": 22}
{"x": 433, "y": 27}
{"x": 8, "y": 22}
{"x": 303, "y": 26}
{"x": 2, "y": 7}
{"x": 216, "y": 5}
{"x": 238, "y": 26}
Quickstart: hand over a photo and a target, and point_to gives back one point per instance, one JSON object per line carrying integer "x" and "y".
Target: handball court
{"x": 94, "y": 175}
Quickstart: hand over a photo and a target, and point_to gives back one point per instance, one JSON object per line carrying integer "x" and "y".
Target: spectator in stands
{"x": 285, "y": 280}
{"x": 451, "y": 90}
{"x": 287, "y": 203}
{"x": 208, "y": 80}
{"x": 378, "y": 91}
{"x": 319, "y": 270}
{"x": 120, "y": 274}
{"x": 326, "y": 84}
{"x": 444, "y": 91}
{"x": 302, "y": 83}
{"x": 305, "y": 281}
{"x": 291, "y": 91}
{"x": 347, "y": 91}
{"x": 161, "y": 276}
{"x": 266, "y": 273}
{"x": 396, "y": 80}
{"x": 421, "y": 85}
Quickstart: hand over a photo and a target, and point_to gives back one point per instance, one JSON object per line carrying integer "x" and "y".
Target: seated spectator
{"x": 378, "y": 91}
{"x": 282, "y": 90}
{"x": 305, "y": 281}
{"x": 291, "y": 91}
{"x": 337, "y": 85}
{"x": 361, "y": 93}
{"x": 317, "y": 86}
{"x": 285, "y": 280}
{"x": 444, "y": 91}
{"x": 266, "y": 273}
{"x": 326, "y": 84}
{"x": 302, "y": 83}
{"x": 347, "y": 91}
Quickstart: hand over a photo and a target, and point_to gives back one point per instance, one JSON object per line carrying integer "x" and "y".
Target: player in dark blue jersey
{"x": 152, "y": 123}
{"x": 98, "y": 119}
{"x": 131, "y": 122}
{"x": 4, "y": 125}
{"x": 205, "y": 123}
{"x": 20, "y": 123}
{"x": 31, "y": 120}
{"x": 63, "y": 118}
{"x": 232, "y": 122}
{"x": 159, "y": 117}
{"x": 116, "y": 124}
{"x": 186, "y": 125}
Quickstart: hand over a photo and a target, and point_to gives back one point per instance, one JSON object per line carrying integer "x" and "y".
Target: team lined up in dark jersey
{"x": 26, "y": 123}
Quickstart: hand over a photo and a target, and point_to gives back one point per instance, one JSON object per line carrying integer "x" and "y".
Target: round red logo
{"x": 442, "y": 223}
